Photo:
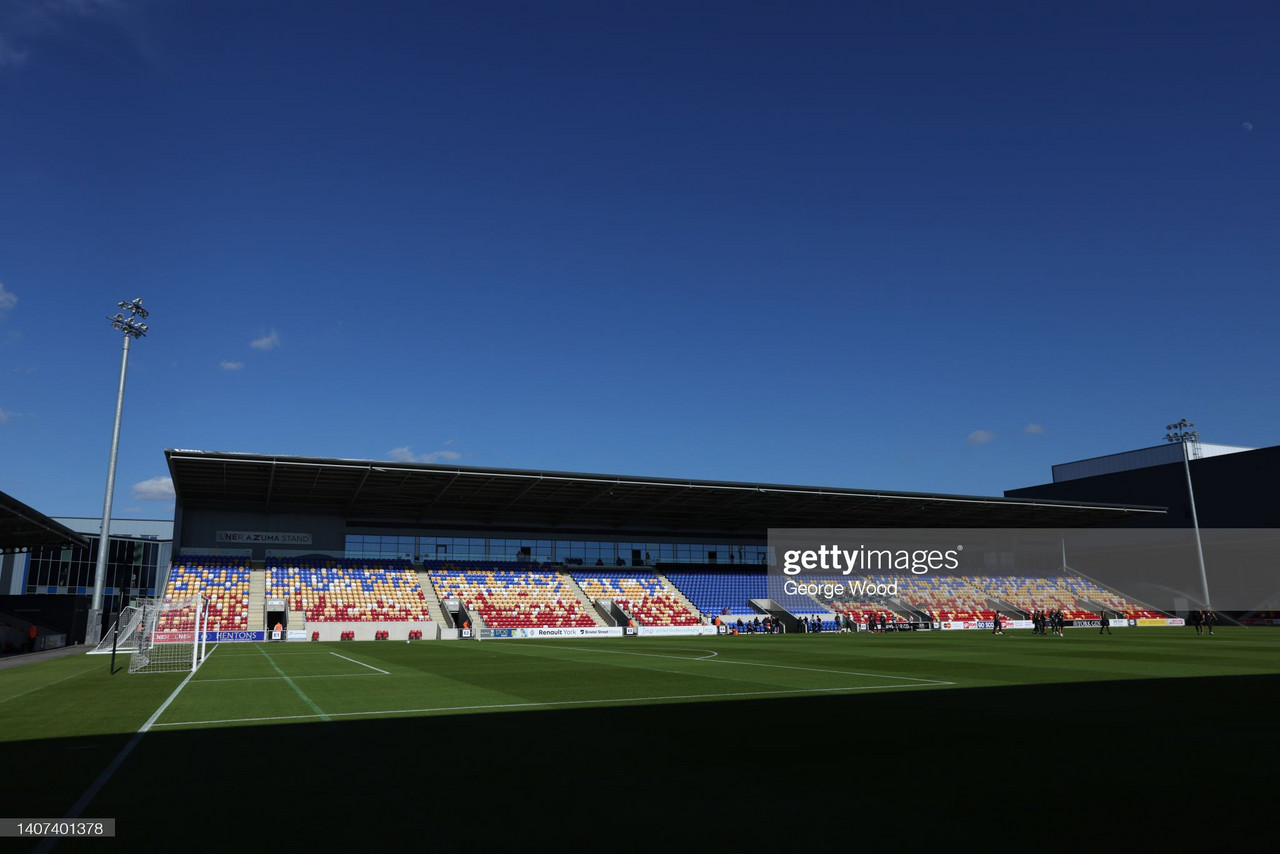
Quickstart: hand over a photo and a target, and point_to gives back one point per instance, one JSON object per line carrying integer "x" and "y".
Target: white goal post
{"x": 171, "y": 635}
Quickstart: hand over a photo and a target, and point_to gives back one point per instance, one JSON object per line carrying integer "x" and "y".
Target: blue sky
{"x": 906, "y": 246}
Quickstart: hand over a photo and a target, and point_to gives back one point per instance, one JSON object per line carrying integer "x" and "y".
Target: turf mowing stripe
{"x": 296, "y": 689}
{"x": 92, "y": 792}
{"x": 646, "y": 667}
{"x": 361, "y": 663}
{"x": 48, "y": 684}
{"x": 604, "y": 701}
{"x": 752, "y": 664}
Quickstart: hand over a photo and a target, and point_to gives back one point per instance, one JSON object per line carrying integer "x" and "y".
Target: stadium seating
{"x": 943, "y": 597}
{"x": 224, "y": 580}
{"x": 1032, "y": 593}
{"x": 510, "y": 595}
{"x": 1086, "y": 589}
{"x": 332, "y": 590}
{"x": 714, "y": 590}
{"x": 639, "y": 592}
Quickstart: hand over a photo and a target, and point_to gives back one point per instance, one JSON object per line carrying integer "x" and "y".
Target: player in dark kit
{"x": 1105, "y": 623}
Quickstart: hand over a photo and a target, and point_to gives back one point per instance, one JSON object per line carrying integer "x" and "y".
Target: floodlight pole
{"x": 1183, "y": 434}
{"x": 132, "y": 327}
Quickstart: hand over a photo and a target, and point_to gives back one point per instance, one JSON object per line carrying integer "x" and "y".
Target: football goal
{"x": 168, "y": 636}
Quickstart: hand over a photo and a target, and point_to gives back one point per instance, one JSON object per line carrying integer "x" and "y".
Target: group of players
{"x": 1044, "y": 622}
{"x": 810, "y": 624}
{"x": 767, "y": 626}
{"x": 1203, "y": 621}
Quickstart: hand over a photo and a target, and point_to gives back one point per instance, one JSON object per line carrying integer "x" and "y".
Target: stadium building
{"x": 47, "y": 567}
{"x": 346, "y": 548}
{"x": 1232, "y": 484}
{"x": 340, "y": 548}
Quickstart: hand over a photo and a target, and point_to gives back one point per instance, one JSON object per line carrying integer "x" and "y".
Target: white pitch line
{"x": 92, "y": 792}
{"x": 301, "y": 695}
{"x": 361, "y": 663}
{"x": 253, "y": 655}
{"x": 278, "y": 678}
{"x": 549, "y": 704}
{"x": 919, "y": 679}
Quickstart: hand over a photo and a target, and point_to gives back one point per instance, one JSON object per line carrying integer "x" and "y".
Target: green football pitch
{"x": 645, "y": 743}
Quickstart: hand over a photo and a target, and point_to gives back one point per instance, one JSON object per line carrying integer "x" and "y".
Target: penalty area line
{"x": 603, "y": 701}
{"x": 279, "y": 678}
{"x": 362, "y": 664}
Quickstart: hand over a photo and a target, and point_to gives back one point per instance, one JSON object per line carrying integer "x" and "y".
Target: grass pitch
{"x": 639, "y": 744}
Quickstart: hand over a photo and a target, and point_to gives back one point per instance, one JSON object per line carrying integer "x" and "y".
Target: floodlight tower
{"x": 1183, "y": 434}
{"x": 132, "y": 327}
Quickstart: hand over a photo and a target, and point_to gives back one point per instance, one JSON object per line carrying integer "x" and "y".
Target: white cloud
{"x": 4, "y": 416}
{"x": 270, "y": 341}
{"x": 1247, "y": 125}
{"x": 980, "y": 437}
{"x": 156, "y": 489}
{"x": 403, "y": 454}
{"x": 1033, "y": 429}
{"x": 7, "y": 299}
{"x": 232, "y": 366}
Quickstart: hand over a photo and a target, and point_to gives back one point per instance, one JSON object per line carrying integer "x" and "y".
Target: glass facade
{"x": 133, "y": 566}
{"x": 584, "y": 552}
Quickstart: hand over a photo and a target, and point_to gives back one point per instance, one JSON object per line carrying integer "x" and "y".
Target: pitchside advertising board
{"x": 601, "y": 632}
{"x": 581, "y": 632}
{"x": 212, "y": 637}
{"x": 678, "y": 631}
{"x": 1154, "y": 569}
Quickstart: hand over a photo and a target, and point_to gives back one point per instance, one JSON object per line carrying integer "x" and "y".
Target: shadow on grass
{"x": 909, "y": 768}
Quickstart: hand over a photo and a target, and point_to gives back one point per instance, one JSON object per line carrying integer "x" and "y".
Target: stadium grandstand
{"x": 327, "y": 545}
{"x": 317, "y": 544}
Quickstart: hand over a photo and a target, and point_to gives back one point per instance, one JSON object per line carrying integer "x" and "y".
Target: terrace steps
{"x": 588, "y": 607}
{"x": 257, "y": 599}
{"x": 434, "y": 608}
{"x": 678, "y": 594}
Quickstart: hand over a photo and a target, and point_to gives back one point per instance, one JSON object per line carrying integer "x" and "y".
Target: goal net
{"x": 123, "y": 634}
{"x": 169, "y": 637}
